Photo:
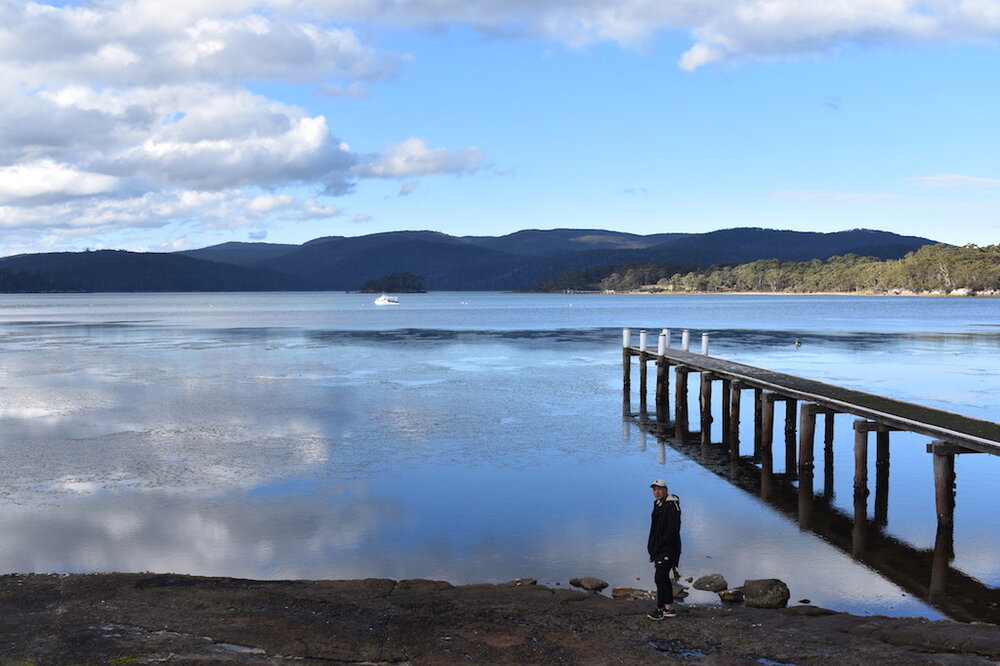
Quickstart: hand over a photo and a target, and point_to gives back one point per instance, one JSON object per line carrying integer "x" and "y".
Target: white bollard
{"x": 704, "y": 344}
{"x": 642, "y": 341}
{"x": 685, "y": 339}
{"x": 661, "y": 347}
{"x": 666, "y": 334}
{"x": 626, "y": 338}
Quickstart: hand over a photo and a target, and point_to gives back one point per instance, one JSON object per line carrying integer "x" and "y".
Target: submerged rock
{"x": 765, "y": 593}
{"x": 712, "y": 583}
{"x": 589, "y": 583}
{"x": 734, "y": 595}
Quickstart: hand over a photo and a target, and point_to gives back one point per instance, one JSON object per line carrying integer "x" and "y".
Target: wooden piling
{"x": 734, "y": 420}
{"x": 766, "y": 449}
{"x": 882, "y": 477}
{"x": 791, "y": 410}
{"x": 662, "y": 390}
{"x": 705, "y": 401}
{"x": 726, "y": 392}
{"x": 807, "y": 436}
{"x": 643, "y": 358}
{"x": 758, "y": 418}
{"x": 681, "y": 403}
{"x": 828, "y": 431}
{"x": 860, "y": 487}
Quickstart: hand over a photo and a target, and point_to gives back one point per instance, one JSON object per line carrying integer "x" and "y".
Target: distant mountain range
{"x": 517, "y": 261}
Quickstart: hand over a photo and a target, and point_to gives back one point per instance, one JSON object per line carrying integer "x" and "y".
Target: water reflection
{"x": 928, "y": 574}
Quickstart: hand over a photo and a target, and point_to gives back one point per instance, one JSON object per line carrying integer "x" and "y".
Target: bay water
{"x": 469, "y": 437}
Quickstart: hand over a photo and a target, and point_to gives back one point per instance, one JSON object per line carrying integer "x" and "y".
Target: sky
{"x": 151, "y": 126}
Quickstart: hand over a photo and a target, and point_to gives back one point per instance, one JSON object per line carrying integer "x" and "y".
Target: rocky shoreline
{"x": 165, "y": 618}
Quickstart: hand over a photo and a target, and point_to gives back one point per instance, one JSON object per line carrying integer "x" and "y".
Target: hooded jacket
{"x": 665, "y": 529}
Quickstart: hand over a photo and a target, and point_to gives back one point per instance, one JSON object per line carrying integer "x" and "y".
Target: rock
{"x": 765, "y": 593}
{"x": 734, "y": 595}
{"x": 589, "y": 583}
{"x": 712, "y": 583}
{"x": 680, "y": 591}
{"x": 632, "y": 593}
{"x": 522, "y": 581}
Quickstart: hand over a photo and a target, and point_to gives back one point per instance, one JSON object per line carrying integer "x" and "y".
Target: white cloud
{"x": 954, "y": 181}
{"x": 45, "y": 180}
{"x": 412, "y": 157}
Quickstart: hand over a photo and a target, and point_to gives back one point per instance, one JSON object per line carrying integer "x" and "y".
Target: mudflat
{"x": 164, "y": 618}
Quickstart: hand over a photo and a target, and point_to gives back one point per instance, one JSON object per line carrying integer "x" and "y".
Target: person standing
{"x": 664, "y": 547}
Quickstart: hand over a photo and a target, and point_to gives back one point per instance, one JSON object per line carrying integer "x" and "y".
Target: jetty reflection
{"x": 927, "y": 574}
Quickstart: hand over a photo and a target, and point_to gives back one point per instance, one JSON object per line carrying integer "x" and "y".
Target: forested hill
{"x": 520, "y": 261}
{"x": 942, "y": 269}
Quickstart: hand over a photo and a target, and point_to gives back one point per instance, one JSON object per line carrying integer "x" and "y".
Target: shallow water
{"x": 461, "y": 436}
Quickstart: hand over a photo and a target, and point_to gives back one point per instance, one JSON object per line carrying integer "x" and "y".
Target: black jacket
{"x": 665, "y": 529}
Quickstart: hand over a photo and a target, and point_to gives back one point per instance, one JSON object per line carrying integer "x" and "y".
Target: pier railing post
{"x": 685, "y": 340}
{"x": 704, "y": 344}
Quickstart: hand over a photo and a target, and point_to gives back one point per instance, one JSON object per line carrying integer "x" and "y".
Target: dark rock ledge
{"x": 164, "y": 618}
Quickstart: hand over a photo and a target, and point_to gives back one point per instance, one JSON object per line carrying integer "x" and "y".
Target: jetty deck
{"x": 965, "y": 431}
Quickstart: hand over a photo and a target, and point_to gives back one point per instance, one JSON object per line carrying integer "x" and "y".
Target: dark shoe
{"x": 656, "y": 614}
{"x": 670, "y": 613}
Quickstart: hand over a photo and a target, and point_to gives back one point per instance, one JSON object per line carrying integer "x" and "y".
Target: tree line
{"x": 932, "y": 268}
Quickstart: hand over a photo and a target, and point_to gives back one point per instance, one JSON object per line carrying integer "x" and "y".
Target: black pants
{"x": 664, "y": 586}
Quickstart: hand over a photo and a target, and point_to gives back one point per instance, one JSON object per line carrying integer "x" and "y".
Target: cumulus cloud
{"x": 412, "y": 157}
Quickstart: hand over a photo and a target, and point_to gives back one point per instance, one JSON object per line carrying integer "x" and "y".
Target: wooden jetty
{"x": 804, "y": 399}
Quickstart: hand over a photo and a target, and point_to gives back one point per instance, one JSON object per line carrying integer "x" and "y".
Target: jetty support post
{"x": 681, "y": 403}
{"x": 860, "y": 531}
{"x": 882, "y": 476}
{"x": 791, "y": 410}
{"x": 766, "y": 441}
{"x": 663, "y": 378}
{"x": 643, "y": 358}
{"x": 685, "y": 340}
{"x": 807, "y": 436}
{"x": 705, "y": 402}
{"x": 734, "y": 419}
{"x": 944, "y": 502}
{"x": 828, "y": 423}
{"x": 726, "y": 407}
{"x": 704, "y": 344}
{"x": 758, "y": 421}
{"x": 626, "y": 371}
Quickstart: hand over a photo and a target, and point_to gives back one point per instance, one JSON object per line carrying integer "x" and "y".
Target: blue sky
{"x": 122, "y": 126}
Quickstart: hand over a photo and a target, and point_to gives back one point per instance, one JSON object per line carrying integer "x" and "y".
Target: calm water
{"x": 460, "y": 436}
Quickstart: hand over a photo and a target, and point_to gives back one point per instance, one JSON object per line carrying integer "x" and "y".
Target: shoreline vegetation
{"x": 933, "y": 270}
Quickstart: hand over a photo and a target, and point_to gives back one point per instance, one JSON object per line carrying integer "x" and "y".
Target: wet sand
{"x": 165, "y": 618}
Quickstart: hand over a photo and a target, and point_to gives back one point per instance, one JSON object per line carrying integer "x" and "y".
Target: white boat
{"x": 386, "y": 300}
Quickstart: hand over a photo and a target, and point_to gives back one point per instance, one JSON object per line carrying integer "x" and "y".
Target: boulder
{"x": 765, "y": 593}
{"x": 589, "y": 583}
{"x": 712, "y": 583}
{"x": 734, "y": 595}
{"x": 680, "y": 591}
